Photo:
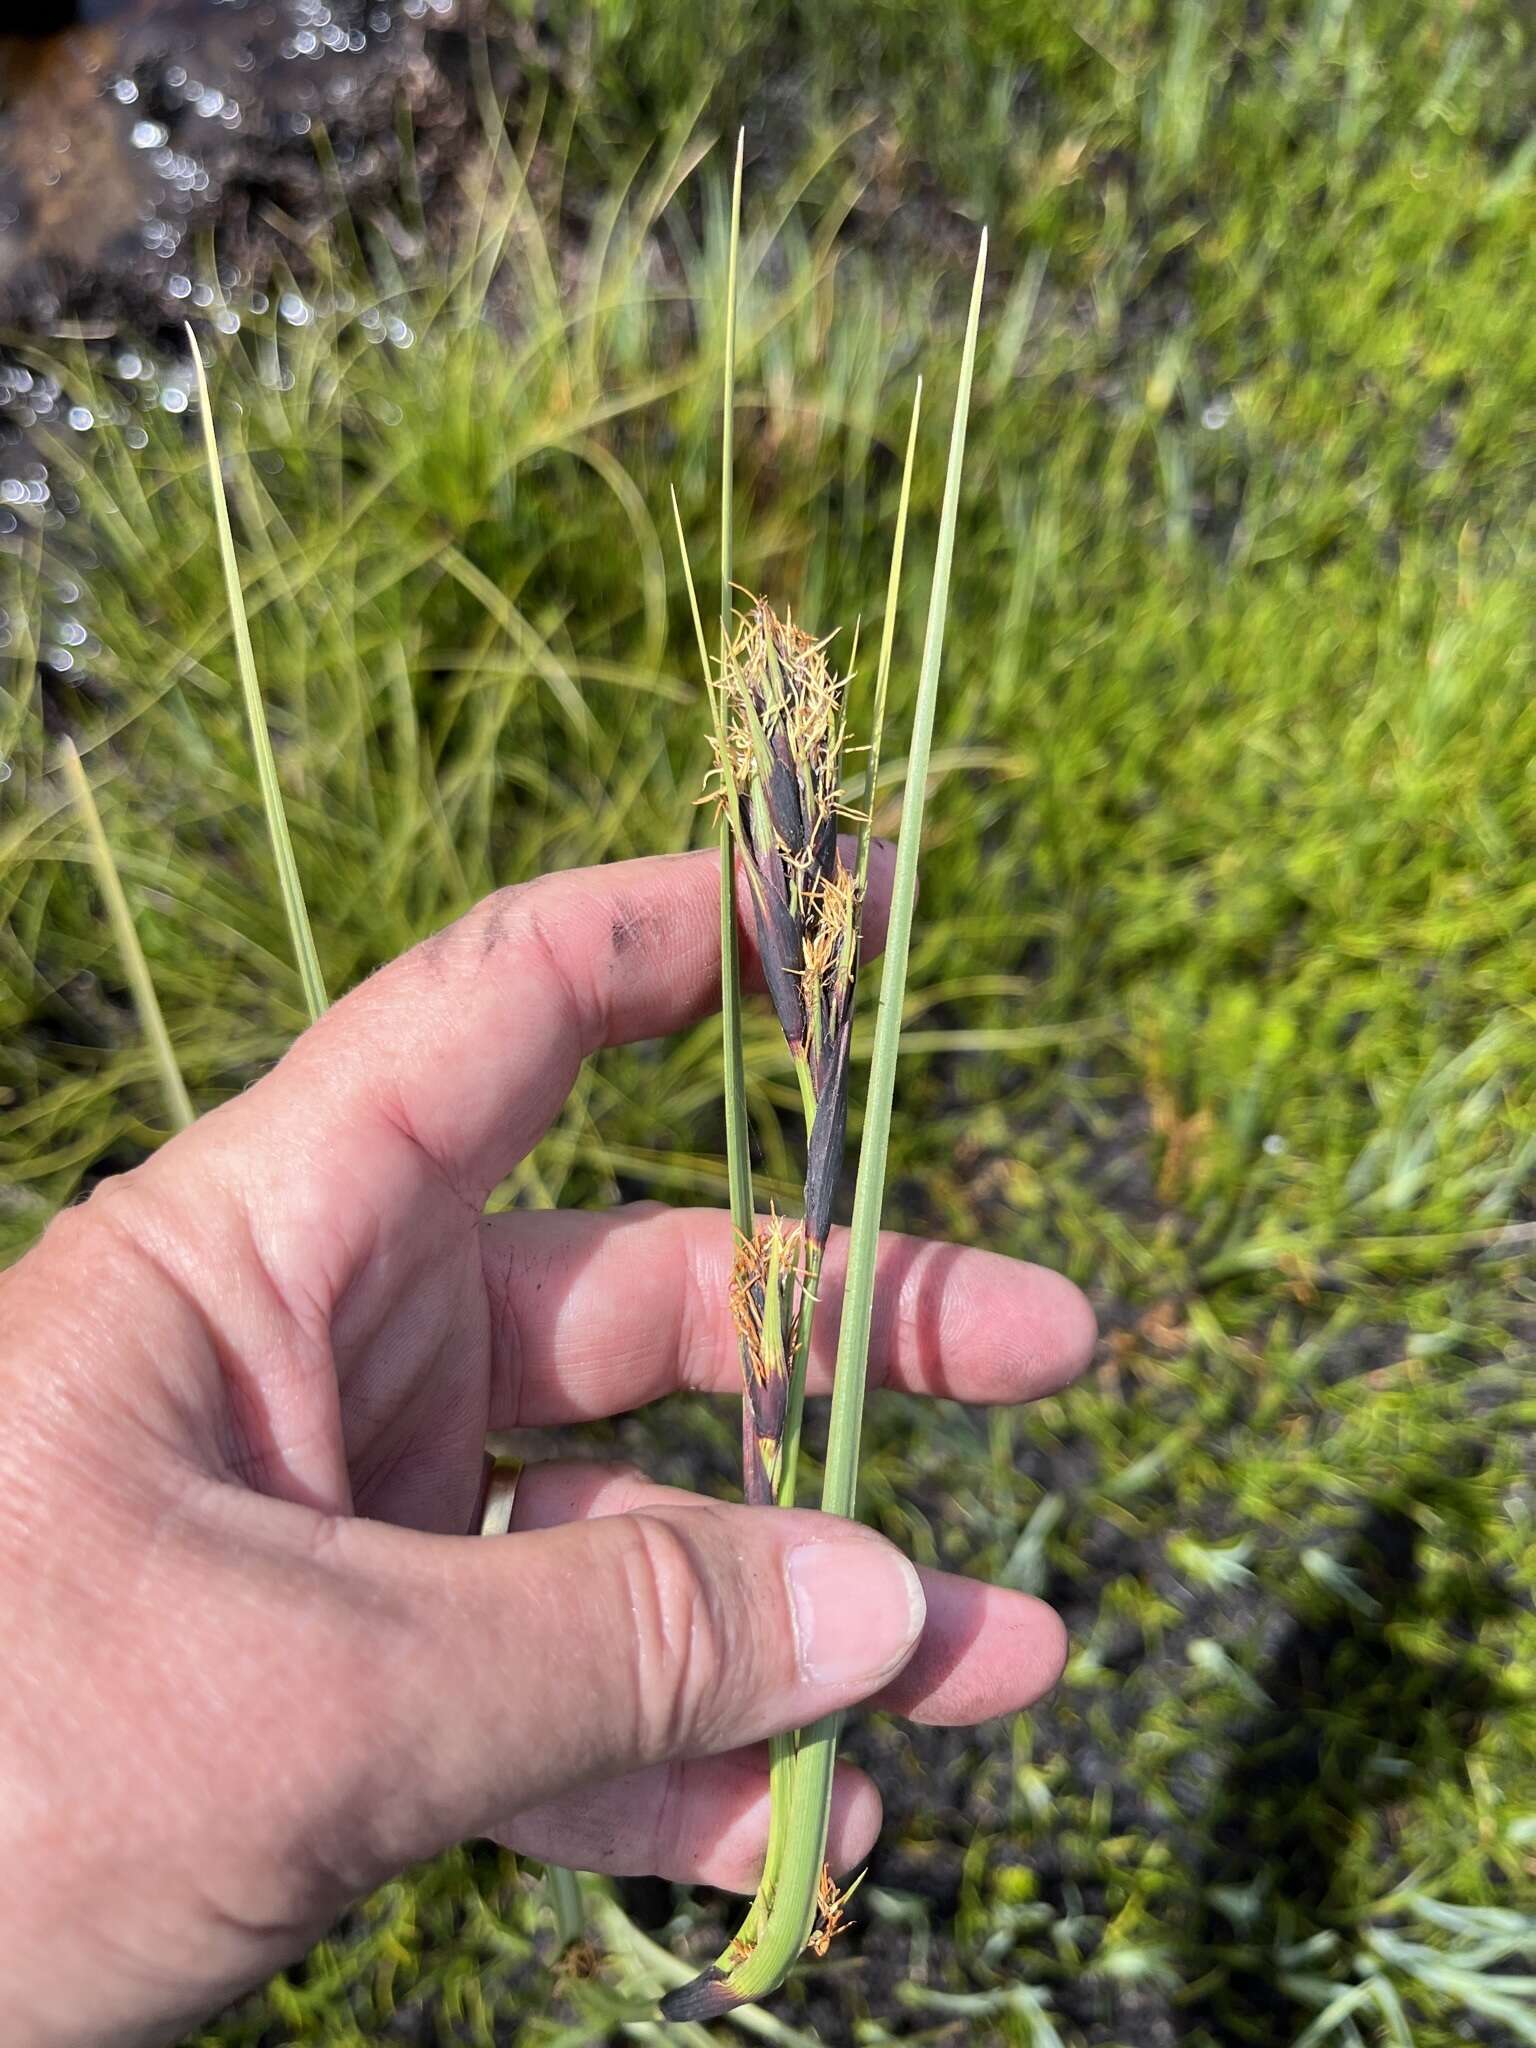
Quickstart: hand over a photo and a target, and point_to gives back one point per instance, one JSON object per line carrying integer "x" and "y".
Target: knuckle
{"x": 538, "y": 919}
{"x": 683, "y": 1643}
{"x": 110, "y": 1212}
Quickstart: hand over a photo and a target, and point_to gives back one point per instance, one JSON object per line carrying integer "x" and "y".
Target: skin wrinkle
{"x": 681, "y": 1631}
{"x": 390, "y": 1107}
{"x": 587, "y": 1022}
{"x": 507, "y": 1350}
{"x": 264, "y": 1457}
{"x": 239, "y": 1441}
{"x": 688, "y": 1343}
{"x": 668, "y": 1814}
{"x": 495, "y": 928}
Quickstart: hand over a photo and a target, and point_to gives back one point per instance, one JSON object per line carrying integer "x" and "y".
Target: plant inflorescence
{"x": 780, "y": 736}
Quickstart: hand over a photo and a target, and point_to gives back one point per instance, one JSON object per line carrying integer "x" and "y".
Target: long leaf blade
{"x": 841, "y": 1482}
{"x": 302, "y": 938}
{"x": 887, "y": 640}
{"x": 151, "y": 1019}
{"x": 737, "y": 1138}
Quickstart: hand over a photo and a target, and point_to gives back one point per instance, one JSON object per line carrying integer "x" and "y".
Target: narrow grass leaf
{"x": 177, "y": 1102}
{"x": 840, "y": 1488}
{"x": 737, "y": 1138}
{"x": 307, "y": 959}
{"x": 887, "y": 640}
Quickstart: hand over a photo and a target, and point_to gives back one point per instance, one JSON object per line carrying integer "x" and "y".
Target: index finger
{"x": 468, "y": 1044}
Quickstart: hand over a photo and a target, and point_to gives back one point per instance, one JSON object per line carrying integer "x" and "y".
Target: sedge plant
{"x": 780, "y": 736}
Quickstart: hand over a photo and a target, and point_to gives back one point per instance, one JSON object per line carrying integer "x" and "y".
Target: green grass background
{"x": 1223, "y": 995}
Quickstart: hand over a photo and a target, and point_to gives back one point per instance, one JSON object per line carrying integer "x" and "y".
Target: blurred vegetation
{"x": 1223, "y": 996}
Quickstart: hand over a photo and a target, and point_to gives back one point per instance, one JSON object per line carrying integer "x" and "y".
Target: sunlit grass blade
{"x": 784, "y": 1915}
{"x": 737, "y": 1135}
{"x": 840, "y": 1488}
{"x": 728, "y": 424}
{"x": 177, "y": 1102}
{"x": 305, "y": 956}
{"x": 887, "y": 639}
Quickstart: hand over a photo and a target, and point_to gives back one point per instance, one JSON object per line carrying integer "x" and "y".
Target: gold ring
{"x": 501, "y": 1478}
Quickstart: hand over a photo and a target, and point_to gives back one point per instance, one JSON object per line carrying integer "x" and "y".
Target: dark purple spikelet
{"x": 784, "y": 734}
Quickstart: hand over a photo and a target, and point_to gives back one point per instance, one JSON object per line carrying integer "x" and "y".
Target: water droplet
{"x": 124, "y": 91}
{"x": 71, "y": 633}
{"x": 13, "y": 490}
{"x": 81, "y": 418}
{"x": 5, "y": 771}
{"x": 1216, "y": 414}
{"x": 136, "y": 437}
{"x": 173, "y": 398}
{"x": 227, "y": 320}
{"x": 294, "y": 310}
{"x": 130, "y": 365}
{"x": 179, "y": 287}
{"x": 59, "y": 658}
{"x": 1274, "y": 1145}
{"x": 148, "y": 135}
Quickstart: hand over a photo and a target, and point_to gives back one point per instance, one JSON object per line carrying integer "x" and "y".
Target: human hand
{"x": 254, "y": 1667}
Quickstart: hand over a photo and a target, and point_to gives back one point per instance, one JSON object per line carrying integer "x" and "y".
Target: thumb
{"x": 536, "y": 1663}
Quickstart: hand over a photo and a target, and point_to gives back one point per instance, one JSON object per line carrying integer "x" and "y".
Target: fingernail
{"x": 858, "y": 1607}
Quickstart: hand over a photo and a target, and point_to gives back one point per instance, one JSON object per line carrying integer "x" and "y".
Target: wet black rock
{"x": 188, "y": 142}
